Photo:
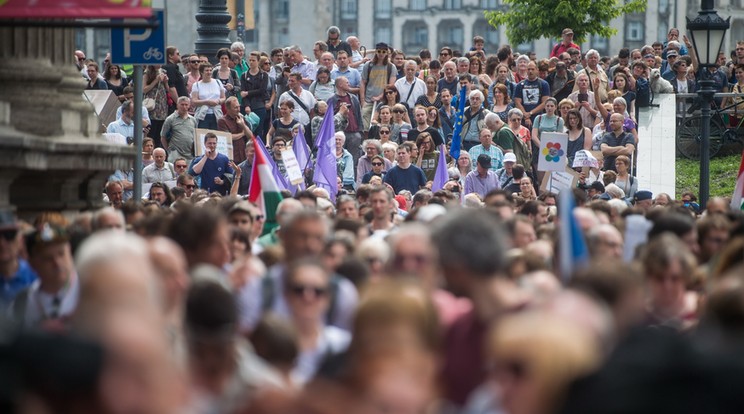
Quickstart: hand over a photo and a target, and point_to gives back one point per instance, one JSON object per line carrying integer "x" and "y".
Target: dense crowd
{"x": 393, "y": 293}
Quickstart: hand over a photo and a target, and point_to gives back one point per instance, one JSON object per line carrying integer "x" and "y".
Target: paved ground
{"x": 656, "y": 147}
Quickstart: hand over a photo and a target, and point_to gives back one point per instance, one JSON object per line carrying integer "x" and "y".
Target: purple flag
{"x": 281, "y": 181}
{"x": 441, "y": 175}
{"x": 302, "y": 153}
{"x": 325, "y": 175}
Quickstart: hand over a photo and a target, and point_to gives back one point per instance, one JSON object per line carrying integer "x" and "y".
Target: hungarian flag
{"x": 737, "y": 201}
{"x": 264, "y": 192}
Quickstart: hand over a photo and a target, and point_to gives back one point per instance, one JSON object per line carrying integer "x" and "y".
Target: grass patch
{"x": 723, "y": 170}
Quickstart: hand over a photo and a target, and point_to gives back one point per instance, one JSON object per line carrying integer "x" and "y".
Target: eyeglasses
{"x": 190, "y": 186}
{"x": 398, "y": 111}
{"x": 389, "y": 92}
{"x": 377, "y": 164}
{"x": 443, "y": 54}
{"x": 194, "y": 62}
{"x": 302, "y": 290}
{"x": 385, "y": 132}
{"x": 382, "y": 51}
{"x": 9, "y": 235}
{"x": 181, "y": 166}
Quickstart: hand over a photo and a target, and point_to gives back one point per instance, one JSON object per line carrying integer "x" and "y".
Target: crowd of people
{"x": 393, "y": 296}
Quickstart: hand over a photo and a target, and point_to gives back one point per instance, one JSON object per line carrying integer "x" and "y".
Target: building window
{"x": 283, "y": 36}
{"x": 383, "y": 34}
{"x": 663, "y": 6}
{"x": 452, "y": 4}
{"x": 634, "y": 32}
{"x": 415, "y": 37}
{"x": 383, "y": 9}
{"x": 601, "y": 44}
{"x": 281, "y": 10}
{"x": 451, "y": 34}
{"x": 418, "y": 5}
{"x": 661, "y": 32}
{"x": 525, "y": 48}
{"x": 348, "y": 9}
{"x": 489, "y": 4}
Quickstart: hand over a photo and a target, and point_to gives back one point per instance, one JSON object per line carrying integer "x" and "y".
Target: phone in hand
{"x": 583, "y": 97}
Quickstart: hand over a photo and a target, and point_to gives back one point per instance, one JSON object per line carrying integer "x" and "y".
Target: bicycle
{"x": 688, "y": 135}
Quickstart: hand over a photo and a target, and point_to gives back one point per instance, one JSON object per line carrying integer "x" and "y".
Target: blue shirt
{"x": 121, "y": 127}
{"x": 217, "y": 167}
{"x": 497, "y": 156}
{"x": 10, "y": 287}
{"x": 474, "y": 183}
{"x": 351, "y": 74}
{"x": 411, "y": 178}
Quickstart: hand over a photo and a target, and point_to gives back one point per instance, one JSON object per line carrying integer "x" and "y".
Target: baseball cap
{"x": 382, "y": 45}
{"x": 510, "y": 157}
{"x": 242, "y": 206}
{"x": 643, "y": 195}
{"x": 484, "y": 160}
{"x": 567, "y": 31}
{"x": 672, "y": 52}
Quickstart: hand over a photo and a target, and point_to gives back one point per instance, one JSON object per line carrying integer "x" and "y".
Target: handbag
{"x": 149, "y": 104}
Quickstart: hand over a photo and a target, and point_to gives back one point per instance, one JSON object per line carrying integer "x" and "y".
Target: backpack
{"x": 644, "y": 95}
{"x": 268, "y": 295}
{"x": 368, "y": 69}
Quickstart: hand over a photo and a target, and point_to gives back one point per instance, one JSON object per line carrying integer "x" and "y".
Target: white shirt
{"x": 299, "y": 114}
{"x": 410, "y": 90}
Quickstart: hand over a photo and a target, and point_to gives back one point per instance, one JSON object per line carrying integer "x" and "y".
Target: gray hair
{"x": 523, "y": 57}
{"x": 375, "y": 142}
{"x": 237, "y": 46}
{"x": 182, "y": 99}
{"x": 472, "y": 241}
{"x": 105, "y": 211}
{"x": 463, "y": 59}
{"x": 333, "y": 30}
{"x": 515, "y": 111}
{"x": 592, "y": 52}
{"x": 295, "y": 48}
{"x": 476, "y": 92}
{"x": 411, "y": 63}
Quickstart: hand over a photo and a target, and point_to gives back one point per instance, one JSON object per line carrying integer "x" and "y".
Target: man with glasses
{"x": 377, "y": 74}
{"x": 193, "y": 75}
{"x": 176, "y": 82}
{"x": 335, "y": 44}
{"x": 445, "y": 54}
{"x": 187, "y": 182}
{"x": 507, "y": 138}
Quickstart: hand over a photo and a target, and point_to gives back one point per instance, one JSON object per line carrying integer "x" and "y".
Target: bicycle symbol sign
{"x": 139, "y": 46}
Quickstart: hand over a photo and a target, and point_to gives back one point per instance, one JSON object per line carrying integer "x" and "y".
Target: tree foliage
{"x": 528, "y": 20}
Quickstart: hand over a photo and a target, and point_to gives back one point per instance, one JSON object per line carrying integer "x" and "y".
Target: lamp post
{"x": 707, "y": 31}
{"x": 212, "y": 19}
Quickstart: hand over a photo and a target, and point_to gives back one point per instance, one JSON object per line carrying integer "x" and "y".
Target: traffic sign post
{"x": 138, "y": 47}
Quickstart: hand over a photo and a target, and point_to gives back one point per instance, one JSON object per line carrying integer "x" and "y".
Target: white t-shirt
{"x": 208, "y": 91}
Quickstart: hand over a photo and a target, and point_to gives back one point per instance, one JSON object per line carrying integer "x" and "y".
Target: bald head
{"x": 159, "y": 156}
{"x": 171, "y": 270}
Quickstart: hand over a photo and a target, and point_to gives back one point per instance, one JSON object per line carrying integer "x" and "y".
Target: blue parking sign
{"x": 139, "y": 46}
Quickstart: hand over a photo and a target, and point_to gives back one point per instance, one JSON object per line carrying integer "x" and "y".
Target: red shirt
{"x": 560, "y": 48}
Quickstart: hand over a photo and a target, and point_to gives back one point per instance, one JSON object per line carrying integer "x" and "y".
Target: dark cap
{"x": 567, "y": 31}
{"x": 382, "y": 45}
{"x": 8, "y": 220}
{"x": 484, "y": 160}
{"x": 643, "y": 195}
{"x": 598, "y": 186}
{"x": 48, "y": 235}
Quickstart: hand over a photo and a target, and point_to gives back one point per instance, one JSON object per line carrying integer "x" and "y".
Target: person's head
{"x": 171, "y": 270}
{"x": 669, "y": 267}
{"x": 233, "y": 106}
{"x": 393, "y": 97}
{"x": 382, "y": 52}
{"x": 622, "y": 164}
{"x": 182, "y": 105}
{"x": 475, "y": 98}
{"x": 413, "y": 254}
{"x": 574, "y": 121}
{"x": 409, "y": 68}
{"x": 500, "y": 94}
{"x": 605, "y": 242}
{"x": 158, "y": 154}
{"x": 347, "y": 207}
{"x": 450, "y": 70}
{"x": 525, "y": 185}
{"x": 404, "y": 155}
{"x": 307, "y": 290}
{"x": 713, "y": 233}
{"x": 620, "y": 81}
{"x": 159, "y": 192}
{"x": 240, "y": 216}
{"x": 203, "y": 234}
{"x": 425, "y": 142}
{"x": 551, "y": 105}
{"x": 420, "y": 115}
{"x": 483, "y": 163}
{"x": 471, "y": 248}
{"x": 278, "y": 144}
{"x": 127, "y": 111}
{"x": 616, "y": 122}
{"x": 582, "y": 80}
{"x": 535, "y": 210}
{"x": 509, "y": 161}
{"x": 380, "y": 199}
{"x": 340, "y": 139}
{"x": 399, "y": 58}
{"x": 50, "y": 256}
{"x": 592, "y": 58}
{"x": 115, "y": 193}
{"x": 92, "y": 70}
{"x": 303, "y": 233}
{"x": 514, "y": 116}
{"x": 485, "y": 137}
{"x": 342, "y": 59}
{"x": 476, "y": 66}
{"x": 567, "y": 36}
{"x": 185, "y": 180}
{"x": 294, "y": 81}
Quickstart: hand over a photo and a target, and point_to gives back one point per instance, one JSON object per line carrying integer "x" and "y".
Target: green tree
{"x": 527, "y": 20}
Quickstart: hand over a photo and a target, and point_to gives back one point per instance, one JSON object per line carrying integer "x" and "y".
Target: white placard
{"x": 553, "y": 147}
{"x": 294, "y": 172}
{"x": 224, "y": 142}
{"x": 585, "y": 158}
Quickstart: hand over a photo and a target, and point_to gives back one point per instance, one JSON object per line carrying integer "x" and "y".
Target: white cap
{"x": 510, "y": 157}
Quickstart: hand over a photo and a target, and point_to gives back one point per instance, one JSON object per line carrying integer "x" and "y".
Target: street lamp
{"x": 707, "y": 32}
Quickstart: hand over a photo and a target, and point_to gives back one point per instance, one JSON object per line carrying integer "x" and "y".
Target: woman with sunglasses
{"x": 383, "y": 116}
{"x": 372, "y": 148}
{"x": 307, "y": 290}
{"x": 401, "y": 125}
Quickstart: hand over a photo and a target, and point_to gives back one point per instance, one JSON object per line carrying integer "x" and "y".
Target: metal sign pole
{"x": 138, "y": 132}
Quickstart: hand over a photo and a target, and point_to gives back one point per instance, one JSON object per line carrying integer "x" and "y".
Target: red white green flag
{"x": 263, "y": 191}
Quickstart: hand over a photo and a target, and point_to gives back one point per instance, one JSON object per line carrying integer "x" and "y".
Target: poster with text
{"x": 224, "y": 142}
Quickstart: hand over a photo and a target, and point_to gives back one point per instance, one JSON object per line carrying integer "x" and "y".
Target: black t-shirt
{"x": 175, "y": 79}
{"x": 341, "y": 46}
{"x": 414, "y": 133}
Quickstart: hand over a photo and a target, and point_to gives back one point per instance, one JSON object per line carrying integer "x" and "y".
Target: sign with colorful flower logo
{"x": 553, "y": 147}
